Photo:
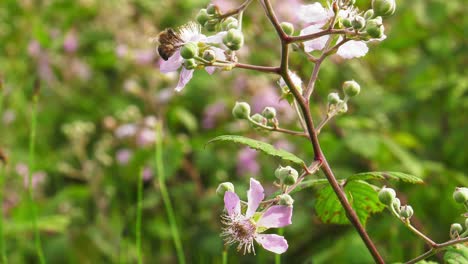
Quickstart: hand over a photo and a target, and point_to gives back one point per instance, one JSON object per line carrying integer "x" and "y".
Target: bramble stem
{"x": 436, "y": 248}
{"x": 32, "y": 205}
{"x": 164, "y": 193}
{"x": 278, "y": 129}
{"x": 304, "y": 105}
{"x": 267, "y": 69}
{"x": 236, "y": 11}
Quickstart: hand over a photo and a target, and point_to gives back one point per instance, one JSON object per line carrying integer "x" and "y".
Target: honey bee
{"x": 169, "y": 42}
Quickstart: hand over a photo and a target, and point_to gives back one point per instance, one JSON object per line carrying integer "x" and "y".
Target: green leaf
{"x": 50, "y": 224}
{"x": 385, "y": 175}
{"x": 361, "y": 195}
{"x": 456, "y": 255}
{"x": 262, "y": 146}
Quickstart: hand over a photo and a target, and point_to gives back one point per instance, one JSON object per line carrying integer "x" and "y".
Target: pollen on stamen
{"x": 238, "y": 230}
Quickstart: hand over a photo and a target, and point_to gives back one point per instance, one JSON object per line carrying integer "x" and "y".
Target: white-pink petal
{"x": 254, "y": 195}
{"x": 276, "y": 216}
{"x": 172, "y": 64}
{"x": 315, "y": 44}
{"x": 184, "y": 78}
{"x": 352, "y": 49}
{"x": 232, "y": 203}
{"x": 274, "y": 243}
{"x": 314, "y": 14}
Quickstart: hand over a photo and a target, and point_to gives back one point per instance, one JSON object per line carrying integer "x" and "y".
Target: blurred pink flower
{"x": 145, "y": 137}
{"x": 121, "y": 50}
{"x": 123, "y": 156}
{"x": 226, "y": 5}
{"x": 144, "y": 56}
{"x": 243, "y": 229}
{"x": 147, "y": 174}
{"x": 125, "y": 131}
{"x": 212, "y": 113}
{"x": 247, "y": 163}
{"x": 37, "y": 177}
{"x": 34, "y": 49}
{"x": 70, "y": 42}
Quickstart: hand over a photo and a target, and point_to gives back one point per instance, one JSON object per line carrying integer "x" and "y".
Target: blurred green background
{"x": 101, "y": 92}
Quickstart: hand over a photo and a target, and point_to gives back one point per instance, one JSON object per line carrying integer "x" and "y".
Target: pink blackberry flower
{"x": 243, "y": 229}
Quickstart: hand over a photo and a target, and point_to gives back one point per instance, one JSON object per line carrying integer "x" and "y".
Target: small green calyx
{"x": 287, "y": 175}
{"x": 223, "y": 188}
{"x": 269, "y": 112}
{"x": 406, "y": 212}
{"x": 241, "y": 110}
{"x": 285, "y": 199}
{"x": 387, "y": 195}
{"x": 234, "y": 39}
{"x": 460, "y": 195}
{"x": 288, "y": 28}
{"x": 351, "y": 88}
{"x": 189, "y": 50}
{"x": 383, "y": 7}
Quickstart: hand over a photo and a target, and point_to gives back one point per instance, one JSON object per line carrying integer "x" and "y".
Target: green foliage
{"x": 361, "y": 195}
{"x": 456, "y": 255}
{"x": 262, "y": 146}
{"x": 384, "y": 175}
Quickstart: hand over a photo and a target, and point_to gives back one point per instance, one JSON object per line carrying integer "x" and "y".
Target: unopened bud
{"x": 259, "y": 119}
{"x": 212, "y": 9}
{"x": 333, "y": 98}
{"x": 384, "y": 7}
{"x": 369, "y": 14}
{"x": 223, "y": 188}
{"x": 288, "y": 28}
{"x": 460, "y": 195}
{"x": 209, "y": 55}
{"x": 202, "y": 17}
{"x": 387, "y": 195}
{"x": 190, "y": 64}
{"x": 358, "y": 22}
{"x": 211, "y": 24}
{"x": 287, "y": 175}
{"x": 189, "y": 50}
{"x": 455, "y": 230}
{"x": 375, "y": 28}
{"x": 241, "y": 110}
{"x": 351, "y": 88}
{"x": 346, "y": 22}
{"x": 229, "y": 23}
{"x": 269, "y": 112}
{"x": 396, "y": 204}
{"x": 406, "y": 211}
{"x": 234, "y": 39}
{"x": 286, "y": 199}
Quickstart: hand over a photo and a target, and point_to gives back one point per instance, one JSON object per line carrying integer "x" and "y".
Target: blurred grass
{"x": 410, "y": 117}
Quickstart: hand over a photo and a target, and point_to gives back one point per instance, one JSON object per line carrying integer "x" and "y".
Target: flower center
{"x": 239, "y": 230}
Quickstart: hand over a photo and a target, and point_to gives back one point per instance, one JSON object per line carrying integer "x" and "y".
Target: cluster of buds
{"x": 388, "y": 197}
{"x": 211, "y": 20}
{"x": 369, "y": 23}
{"x": 336, "y": 105}
{"x": 286, "y": 175}
{"x": 241, "y": 110}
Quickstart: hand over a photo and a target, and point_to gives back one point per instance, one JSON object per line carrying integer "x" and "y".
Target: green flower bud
{"x": 333, "y": 98}
{"x": 189, "y": 50}
{"x": 288, "y": 28}
{"x": 223, "y": 188}
{"x": 455, "y": 230}
{"x": 383, "y": 7}
{"x": 211, "y": 24}
{"x": 358, "y": 22}
{"x": 285, "y": 199}
{"x": 287, "y": 175}
{"x": 369, "y": 14}
{"x": 190, "y": 64}
{"x": 375, "y": 28}
{"x": 387, "y": 195}
{"x": 460, "y": 195}
{"x": 346, "y": 22}
{"x": 241, "y": 110}
{"x": 234, "y": 39}
{"x": 269, "y": 112}
{"x": 212, "y": 9}
{"x": 406, "y": 211}
{"x": 202, "y": 17}
{"x": 258, "y": 118}
{"x": 209, "y": 55}
{"x": 351, "y": 88}
{"x": 229, "y": 23}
